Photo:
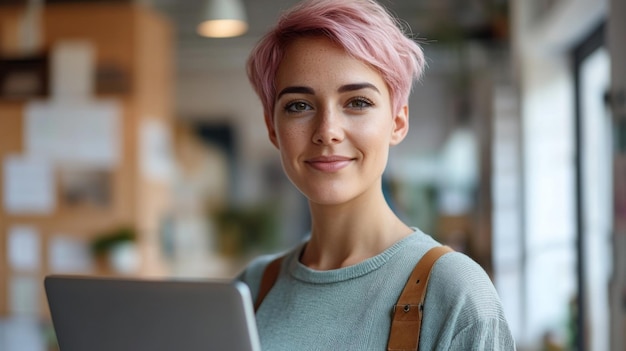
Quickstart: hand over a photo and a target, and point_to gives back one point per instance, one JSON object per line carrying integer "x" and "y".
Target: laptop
{"x": 99, "y": 314}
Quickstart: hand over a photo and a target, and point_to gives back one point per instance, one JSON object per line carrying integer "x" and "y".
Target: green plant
{"x": 103, "y": 243}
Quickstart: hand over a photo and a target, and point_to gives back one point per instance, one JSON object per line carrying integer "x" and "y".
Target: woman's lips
{"x": 329, "y": 163}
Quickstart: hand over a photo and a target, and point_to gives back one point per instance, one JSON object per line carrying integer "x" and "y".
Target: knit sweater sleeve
{"x": 486, "y": 334}
{"x": 462, "y": 309}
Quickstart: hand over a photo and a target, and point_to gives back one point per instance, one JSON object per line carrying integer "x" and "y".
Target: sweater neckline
{"x": 309, "y": 275}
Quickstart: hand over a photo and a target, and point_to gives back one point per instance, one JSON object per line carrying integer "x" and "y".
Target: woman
{"x": 334, "y": 79}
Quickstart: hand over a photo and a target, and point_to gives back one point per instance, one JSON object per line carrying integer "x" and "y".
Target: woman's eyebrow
{"x": 295, "y": 90}
{"x": 357, "y": 86}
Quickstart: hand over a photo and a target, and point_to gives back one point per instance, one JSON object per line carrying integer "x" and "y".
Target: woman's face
{"x": 333, "y": 122}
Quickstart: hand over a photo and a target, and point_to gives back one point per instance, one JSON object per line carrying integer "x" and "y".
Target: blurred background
{"x": 132, "y": 145}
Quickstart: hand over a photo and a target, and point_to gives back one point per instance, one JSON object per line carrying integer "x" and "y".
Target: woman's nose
{"x": 328, "y": 129}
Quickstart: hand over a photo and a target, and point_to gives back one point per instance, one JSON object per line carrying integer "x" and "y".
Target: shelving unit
{"x": 133, "y": 68}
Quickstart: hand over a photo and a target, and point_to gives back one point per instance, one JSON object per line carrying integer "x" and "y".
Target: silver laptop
{"x": 99, "y": 314}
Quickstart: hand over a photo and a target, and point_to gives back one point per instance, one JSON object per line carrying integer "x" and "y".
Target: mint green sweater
{"x": 350, "y": 308}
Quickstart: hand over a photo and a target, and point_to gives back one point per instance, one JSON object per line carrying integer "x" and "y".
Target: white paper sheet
{"x": 155, "y": 150}
{"x": 68, "y": 254}
{"x": 23, "y": 246}
{"x": 29, "y": 185}
{"x": 24, "y": 295}
{"x": 73, "y": 70}
{"x": 85, "y": 133}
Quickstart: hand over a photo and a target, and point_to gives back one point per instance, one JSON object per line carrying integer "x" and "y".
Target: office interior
{"x": 133, "y": 146}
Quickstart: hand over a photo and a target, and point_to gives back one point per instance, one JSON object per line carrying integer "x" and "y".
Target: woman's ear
{"x": 271, "y": 131}
{"x": 400, "y": 125}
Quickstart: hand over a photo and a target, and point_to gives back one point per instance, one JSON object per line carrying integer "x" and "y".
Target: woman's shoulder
{"x": 256, "y": 266}
{"x": 461, "y": 289}
{"x": 253, "y": 273}
{"x": 456, "y": 273}
{"x": 457, "y": 261}
{"x": 464, "y": 306}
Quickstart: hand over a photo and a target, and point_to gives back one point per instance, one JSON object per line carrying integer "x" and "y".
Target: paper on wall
{"x": 68, "y": 254}
{"x": 29, "y": 185}
{"x": 155, "y": 150}
{"x": 23, "y": 246}
{"x": 85, "y": 133}
{"x": 73, "y": 70}
{"x": 24, "y": 295}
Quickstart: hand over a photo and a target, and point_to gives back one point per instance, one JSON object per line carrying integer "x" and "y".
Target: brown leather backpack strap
{"x": 267, "y": 281}
{"x": 407, "y": 313}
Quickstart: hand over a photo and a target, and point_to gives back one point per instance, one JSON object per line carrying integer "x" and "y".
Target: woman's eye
{"x": 360, "y": 103}
{"x": 297, "y": 106}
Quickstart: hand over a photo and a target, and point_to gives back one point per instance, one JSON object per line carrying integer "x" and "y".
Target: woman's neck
{"x": 346, "y": 234}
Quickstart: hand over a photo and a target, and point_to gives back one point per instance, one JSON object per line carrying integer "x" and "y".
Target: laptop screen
{"x": 96, "y": 314}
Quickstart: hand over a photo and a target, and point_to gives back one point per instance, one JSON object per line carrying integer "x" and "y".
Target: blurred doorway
{"x": 594, "y": 187}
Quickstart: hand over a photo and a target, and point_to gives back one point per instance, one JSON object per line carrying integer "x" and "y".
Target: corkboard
{"x": 134, "y": 45}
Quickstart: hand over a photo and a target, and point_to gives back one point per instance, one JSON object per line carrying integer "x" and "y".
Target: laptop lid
{"x": 99, "y": 314}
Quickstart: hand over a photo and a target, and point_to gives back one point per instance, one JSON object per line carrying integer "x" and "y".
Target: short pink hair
{"x": 365, "y": 30}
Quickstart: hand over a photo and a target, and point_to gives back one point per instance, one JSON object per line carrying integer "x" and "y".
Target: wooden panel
{"x": 10, "y": 128}
{"x": 9, "y": 29}
{"x": 10, "y": 142}
{"x": 131, "y": 41}
{"x": 110, "y": 26}
{"x": 154, "y": 84}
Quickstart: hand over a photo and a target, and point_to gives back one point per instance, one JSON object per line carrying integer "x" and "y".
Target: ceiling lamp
{"x": 223, "y": 19}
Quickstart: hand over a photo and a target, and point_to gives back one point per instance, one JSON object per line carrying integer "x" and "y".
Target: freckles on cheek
{"x": 291, "y": 132}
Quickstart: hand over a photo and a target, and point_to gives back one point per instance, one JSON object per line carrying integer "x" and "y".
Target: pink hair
{"x": 362, "y": 27}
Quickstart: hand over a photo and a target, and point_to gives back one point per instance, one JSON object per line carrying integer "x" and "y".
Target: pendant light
{"x": 223, "y": 19}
